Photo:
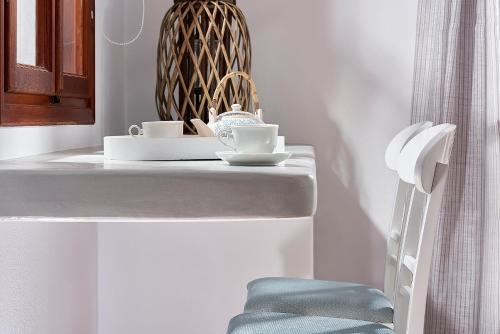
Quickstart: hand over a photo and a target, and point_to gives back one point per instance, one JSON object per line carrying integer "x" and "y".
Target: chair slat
{"x": 403, "y": 198}
{"x": 405, "y": 291}
{"x": 410, "y": 263}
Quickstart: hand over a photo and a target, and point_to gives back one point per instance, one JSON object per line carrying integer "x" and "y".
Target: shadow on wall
{"x": 313, "y": 71}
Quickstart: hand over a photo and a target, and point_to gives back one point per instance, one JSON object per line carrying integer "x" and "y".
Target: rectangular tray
{"x": 129, "y": 148}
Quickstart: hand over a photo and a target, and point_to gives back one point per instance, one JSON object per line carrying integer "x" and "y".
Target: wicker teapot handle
{"x": 222, "y": 83}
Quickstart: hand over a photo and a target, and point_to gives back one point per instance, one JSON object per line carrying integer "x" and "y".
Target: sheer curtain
{"x": 457, "y": 80}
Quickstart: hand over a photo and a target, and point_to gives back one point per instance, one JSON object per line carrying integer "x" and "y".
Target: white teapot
{"x": 222, "y": 123}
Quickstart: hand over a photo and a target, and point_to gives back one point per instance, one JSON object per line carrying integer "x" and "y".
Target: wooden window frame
{"x": 67, "y": 99}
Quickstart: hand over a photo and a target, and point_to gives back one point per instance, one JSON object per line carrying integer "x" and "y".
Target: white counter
{"x": 82, "y": 184}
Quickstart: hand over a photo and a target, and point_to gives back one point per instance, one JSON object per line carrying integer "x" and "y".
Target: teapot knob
{"x": 236, "y": 107}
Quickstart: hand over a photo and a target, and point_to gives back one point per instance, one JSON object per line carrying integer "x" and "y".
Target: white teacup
{"x": 162, "y": 129}
{"x": 261, "y": 138}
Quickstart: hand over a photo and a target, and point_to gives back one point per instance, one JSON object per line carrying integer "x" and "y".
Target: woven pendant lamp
{"x": 200, "y": 42}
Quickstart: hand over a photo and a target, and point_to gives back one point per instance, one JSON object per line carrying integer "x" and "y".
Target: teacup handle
{"x": 140, "y": 131}
{"x": 228, "y": 135}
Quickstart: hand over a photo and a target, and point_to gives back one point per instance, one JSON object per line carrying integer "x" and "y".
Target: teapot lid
{"x": 236, "y": 107}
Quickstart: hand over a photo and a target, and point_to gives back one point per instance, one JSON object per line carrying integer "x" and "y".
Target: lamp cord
{"x": 138, "y": 34}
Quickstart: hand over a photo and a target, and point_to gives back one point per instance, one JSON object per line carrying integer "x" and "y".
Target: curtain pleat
{"x": 490, "y": 318}
{"x": 457, "y": 81}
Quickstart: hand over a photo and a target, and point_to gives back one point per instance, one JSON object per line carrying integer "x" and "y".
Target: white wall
{"x": 140, "y": 59}
{"x": 48, "y": 275}
{"x": 48, "y": 278}
{"x": 155, "y": 276}
{"x": 336, "y": 74}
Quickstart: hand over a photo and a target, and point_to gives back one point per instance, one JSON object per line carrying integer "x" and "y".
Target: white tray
{"x": 167, "y": 149}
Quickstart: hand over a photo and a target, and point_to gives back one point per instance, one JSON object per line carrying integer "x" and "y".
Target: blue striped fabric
{"x": 319, "y": 298}
{"x": 279, "y": 323}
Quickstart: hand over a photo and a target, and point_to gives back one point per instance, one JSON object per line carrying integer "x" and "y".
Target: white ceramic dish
{"x": 253, "y": 159}
{"x": 130, "y": 148}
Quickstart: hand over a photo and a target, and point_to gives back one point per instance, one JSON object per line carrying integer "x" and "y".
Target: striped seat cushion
{"x": 280, "y": 323}
{"x": 319, "y": 298}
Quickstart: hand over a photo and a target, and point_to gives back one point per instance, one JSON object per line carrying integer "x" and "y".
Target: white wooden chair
{"x": 339, "y": 299}
{"x": 423, "y": 163}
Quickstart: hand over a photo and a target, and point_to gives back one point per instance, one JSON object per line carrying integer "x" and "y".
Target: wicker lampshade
{"x": 200, "y": 42}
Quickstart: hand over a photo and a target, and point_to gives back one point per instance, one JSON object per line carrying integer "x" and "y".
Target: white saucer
{"x": 253, "y": 159}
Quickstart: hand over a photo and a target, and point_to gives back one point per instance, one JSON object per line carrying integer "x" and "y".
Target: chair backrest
{"x": 423, "y": 163}
{"x": 404, "y": 193}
